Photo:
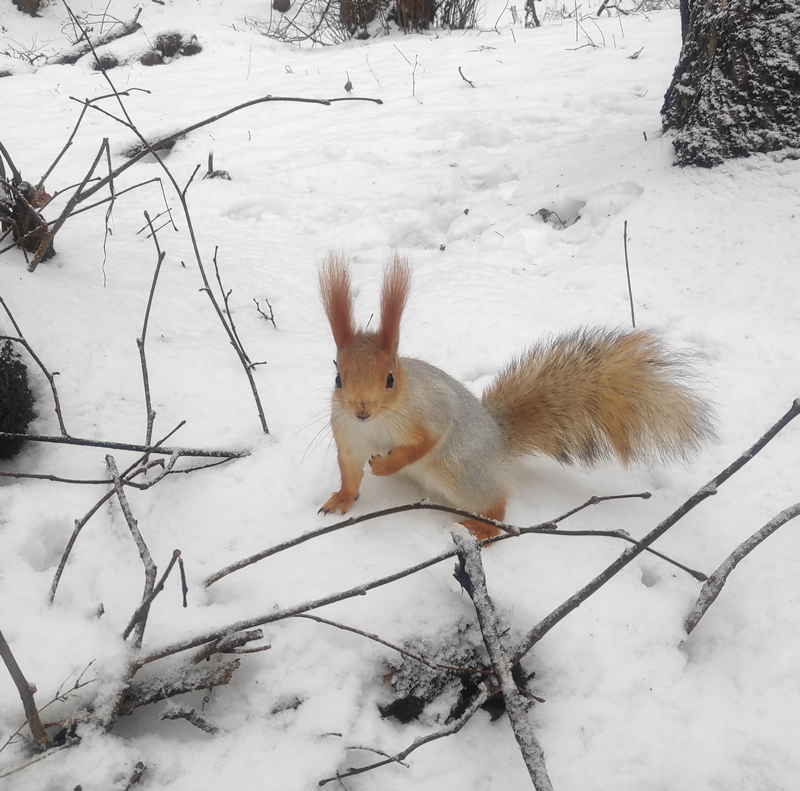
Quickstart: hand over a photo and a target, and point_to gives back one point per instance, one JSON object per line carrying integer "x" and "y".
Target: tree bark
{"x": 736, "y": 88}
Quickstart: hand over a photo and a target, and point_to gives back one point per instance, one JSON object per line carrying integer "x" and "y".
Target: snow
{"x": 452, "y": 176}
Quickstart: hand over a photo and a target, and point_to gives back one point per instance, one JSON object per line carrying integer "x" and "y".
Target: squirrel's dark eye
{"x": 389, "y": 381}
{"x": 339, "y": 381}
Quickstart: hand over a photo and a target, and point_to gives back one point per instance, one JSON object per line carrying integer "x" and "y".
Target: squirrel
{"x": 582, "y": 396}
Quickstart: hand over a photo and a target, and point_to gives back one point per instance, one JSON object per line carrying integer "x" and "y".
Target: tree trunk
{"x": 736, "y": 88}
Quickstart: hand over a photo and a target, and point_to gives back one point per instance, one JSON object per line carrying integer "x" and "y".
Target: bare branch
{"x": 144, "y": 553}
{"x": 545, "y": 528}
{"x": 713, "y": 587}
{"x": 140, "y": 341}
{"x": 146, "y": 449}
{"x": 25, "y": 693}
{"x": 50, "y": 377}
{"x": 547, "y": 623}
{"x": 471, "y": 576}
{"x": 144, "y": 608}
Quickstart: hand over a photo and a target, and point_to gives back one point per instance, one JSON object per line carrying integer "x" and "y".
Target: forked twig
{"x": 144, "y": 608}
{"x": 144, "y": 553}
{"x": 470, "y": 574}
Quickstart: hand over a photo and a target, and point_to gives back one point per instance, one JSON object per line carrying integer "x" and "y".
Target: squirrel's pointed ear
{"x": 394, "y": 294}
{"x": 337, "y": 297}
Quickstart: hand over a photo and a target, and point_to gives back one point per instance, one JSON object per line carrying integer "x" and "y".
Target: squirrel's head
{"x": 368, "y": 377}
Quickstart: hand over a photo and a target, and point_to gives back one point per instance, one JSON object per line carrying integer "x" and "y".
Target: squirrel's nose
{"x": 363, "y": 413}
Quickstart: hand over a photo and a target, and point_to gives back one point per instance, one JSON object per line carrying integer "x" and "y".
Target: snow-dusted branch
{"x": 144, "y": 553}
{"x": 146, "y": 449}
{"x": 712, "y": 588}
{"x": 470, "y": 574}
{"x": 574, "y": 601}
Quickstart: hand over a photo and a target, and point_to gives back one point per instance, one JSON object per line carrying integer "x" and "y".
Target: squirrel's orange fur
{"x": 582, "y": 396}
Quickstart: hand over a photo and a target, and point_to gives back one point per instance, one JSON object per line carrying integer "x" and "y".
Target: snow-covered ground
{"x": 452, "y": 175}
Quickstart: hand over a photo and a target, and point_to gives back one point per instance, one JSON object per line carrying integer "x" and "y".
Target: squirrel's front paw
{"x": 338, "y": 501}
{"x": 382, "y": 465}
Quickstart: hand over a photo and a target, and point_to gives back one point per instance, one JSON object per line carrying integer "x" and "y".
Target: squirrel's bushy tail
{"x": 591, "y": 394}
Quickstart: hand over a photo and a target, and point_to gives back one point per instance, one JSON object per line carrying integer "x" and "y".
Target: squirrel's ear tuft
{"x": 394, "y": 295}
{"x": 337, "y": 297}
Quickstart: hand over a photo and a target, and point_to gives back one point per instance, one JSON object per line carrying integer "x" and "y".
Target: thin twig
{"x": 713, "y": 587}
{"x": 628, "y": 272}
{"x": 140, "y": 341}
{"x": 545, "y": 528}
{"x": 484, "y": 692}
{"x": 50, "y": 377}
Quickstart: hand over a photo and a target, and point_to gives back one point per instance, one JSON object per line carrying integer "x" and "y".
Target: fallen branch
{"x": 546, "y": 528}
{"x": 561, "y": 612}
{"x": 176, "y": 681}
{"x": 26, "y": 695}
{"x": 470, "y": 574}
{"x": 143, "y": 609}
{"x": 146, "y": 449}
{"x": 144, "y": 553}
{"x": 713, "y": 587}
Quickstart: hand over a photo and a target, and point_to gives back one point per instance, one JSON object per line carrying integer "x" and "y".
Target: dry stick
{"x": 628, "y": 271}
{"x": 144, "y": 608}
{"x": 144, "y": 553}
{"x": 146, "y": 449}
{"x": 151, "y": 415}
{"x": 17, "y": 176}
{"x": 464, "y": 78}
{"x": 25, "y": 693}
{"x": 547, "y": 623}
{"x": 546, "y": 528}
{"x": 288, "y": 612}
{"x": 484, "y": 693}
{"x": 79, "y": 523}
{"x": 712, "y": 588}
{"x": 50, "y": 377}
{"x": 472, "y": 578}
